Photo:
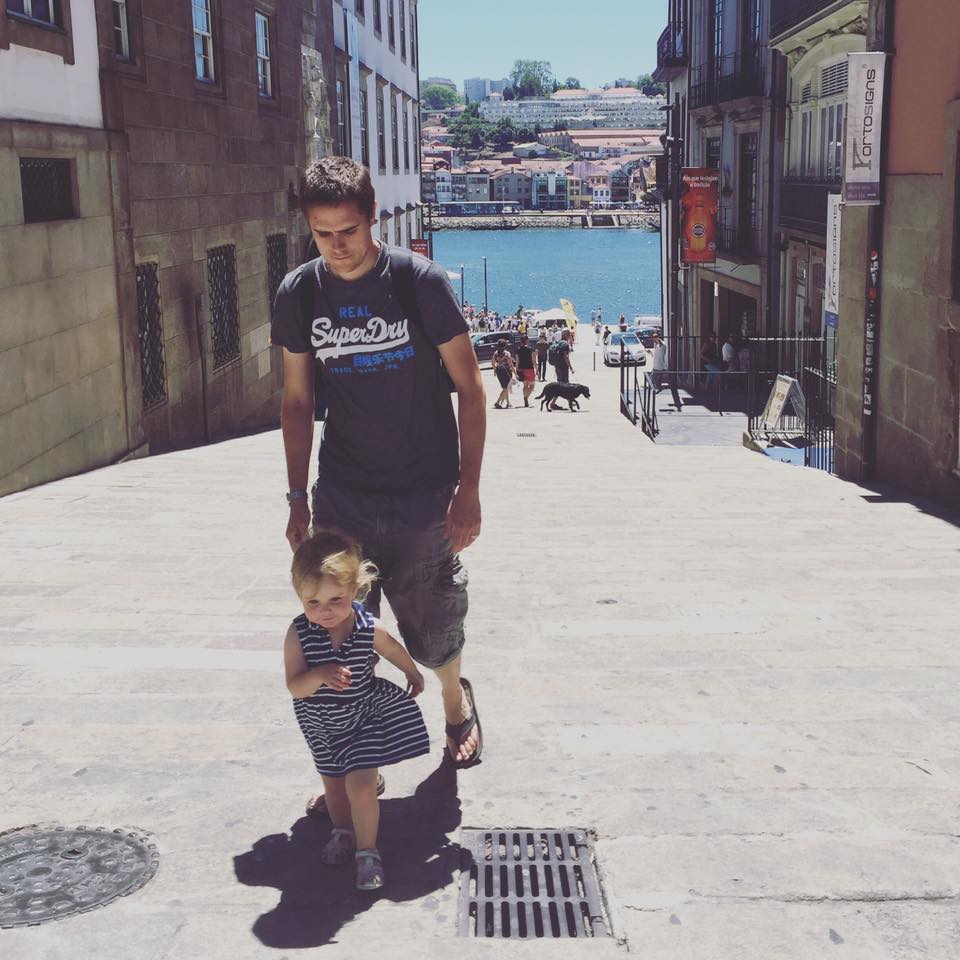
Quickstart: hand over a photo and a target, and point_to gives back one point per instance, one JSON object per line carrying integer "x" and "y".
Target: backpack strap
{"x": 307, "y": 288}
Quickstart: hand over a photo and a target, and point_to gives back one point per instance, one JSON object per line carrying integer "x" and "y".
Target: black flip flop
{"x": 458, "y": 732}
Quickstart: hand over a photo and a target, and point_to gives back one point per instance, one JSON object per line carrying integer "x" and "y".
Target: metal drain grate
{"x": 526, "y": 434}
{"x": 48, "y": 872}
{"x": 524, "y": 883}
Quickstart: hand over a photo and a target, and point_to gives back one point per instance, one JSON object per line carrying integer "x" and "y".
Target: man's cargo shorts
{"x": 424, "y": 582}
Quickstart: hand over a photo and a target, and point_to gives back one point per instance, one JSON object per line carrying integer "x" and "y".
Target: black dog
{"x": 552, "y": 392}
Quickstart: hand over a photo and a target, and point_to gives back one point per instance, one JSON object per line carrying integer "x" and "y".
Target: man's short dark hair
{"x": 334, "y": 180}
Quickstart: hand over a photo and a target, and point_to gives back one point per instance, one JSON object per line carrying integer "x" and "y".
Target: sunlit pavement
{"x": 741, "y": 675}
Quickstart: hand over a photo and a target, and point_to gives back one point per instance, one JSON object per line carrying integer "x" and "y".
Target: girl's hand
{"x": 334, "y": 676}
{"x": 414, "y": 683}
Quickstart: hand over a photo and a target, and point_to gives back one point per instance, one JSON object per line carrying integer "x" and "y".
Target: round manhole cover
{"x": 49, "y": 872}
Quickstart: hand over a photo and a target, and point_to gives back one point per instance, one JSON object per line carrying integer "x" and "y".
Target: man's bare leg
{"x": 456, "y": 708}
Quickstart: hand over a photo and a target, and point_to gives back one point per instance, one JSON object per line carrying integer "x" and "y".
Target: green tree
{"x": 502, "y": 135}
{"x": 571, "y": 83}
{"x": 650, "y": 87}
{"x": 531, "y": 78}
{"x": 437, "y": 97}
{"x": 508, "y": 93}
{"x": 623, "y": 82}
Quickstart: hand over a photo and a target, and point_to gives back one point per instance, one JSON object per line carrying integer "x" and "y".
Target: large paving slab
{"x": 741, "y": 675}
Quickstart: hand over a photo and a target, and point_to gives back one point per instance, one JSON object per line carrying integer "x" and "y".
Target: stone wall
{"x": 61, "y": 358}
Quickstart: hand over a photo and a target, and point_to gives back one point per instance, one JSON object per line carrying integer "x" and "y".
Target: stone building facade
{"x": 64, "y": 362}
{"x": 916, "y": 392}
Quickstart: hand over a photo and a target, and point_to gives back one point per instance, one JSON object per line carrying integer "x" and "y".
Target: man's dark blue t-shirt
{"x": 390, "y": 421}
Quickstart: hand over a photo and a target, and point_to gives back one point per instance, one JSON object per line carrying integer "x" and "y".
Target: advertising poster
{"x": 831, "y": 291}
{"x": 422, "y": 246}
{"x": 864, "y": 128}
{"x": 698, "y": 214}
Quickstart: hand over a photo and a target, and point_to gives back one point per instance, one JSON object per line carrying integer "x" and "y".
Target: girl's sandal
{"x": 340, "y": 846}
{"x": 369, "y": 870}
{"x": 317, "y": 806}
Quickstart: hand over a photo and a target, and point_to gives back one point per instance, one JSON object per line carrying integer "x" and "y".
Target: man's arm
{"x": 296, "y": 423}
{"x": 463, "y": 517}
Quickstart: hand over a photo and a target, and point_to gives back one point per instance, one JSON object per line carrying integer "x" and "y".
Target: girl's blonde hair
{"x": 329, "y": 553}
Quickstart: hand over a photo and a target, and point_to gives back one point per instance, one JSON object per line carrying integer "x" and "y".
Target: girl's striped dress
{"x": 370, "y": 724}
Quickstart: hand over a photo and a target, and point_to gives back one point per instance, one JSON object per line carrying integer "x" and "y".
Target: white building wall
{"x": 35, "y": 85}
{"x": 392, "y": 189}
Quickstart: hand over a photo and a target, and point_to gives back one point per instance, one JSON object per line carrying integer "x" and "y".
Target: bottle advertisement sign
{"x": 698, "y": 214}
{"x": 831, "y": 290}
{"x": 864, "y": 127}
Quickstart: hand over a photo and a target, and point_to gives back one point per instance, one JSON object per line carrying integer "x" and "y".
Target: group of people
{"x": 530, "y": 363}
{"x": 733, "y": 356}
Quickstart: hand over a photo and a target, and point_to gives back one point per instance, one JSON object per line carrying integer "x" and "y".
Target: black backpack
{"x": 404, "y": 288}
{"x": 553, "y": 352}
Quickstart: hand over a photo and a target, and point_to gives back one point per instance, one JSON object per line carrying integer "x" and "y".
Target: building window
{"x": 402, "y": 14}
{"x": 364, "y": 131}
{"x": 203, "y": 40}
{"x": 712, "y": 153}
{"x": 342, "y": 118}
{"x": 359, "y": 8}
{"x": 409, "y": 228}
{"x": 397, "y": 231}
{"x": 264, "y": 67}
{"x": 956, "y": 228}
{"x": 385, "y": 231}
{"x": 806, "y": 136}
{"x": 390, "y": 28}
{"x": 46, "y": 186}
{"x": 224, "y": 313}
{"x": 377, "y": 22}
{"x": 153, "y": 376}
{"x": 715, "y": 38}
{"x": 121, "y": 30}
{"x": 413, "y": 36}
{"x": 416, "y": 142}
{"x": 749, "y": 187}
{"x": 394, "y": 134}
{"x": 832, "y": 121}
{"x": 406, "y": 140}
{"x": 276, "y": 265}
{"x": 47, "y": 11}
{"x": 381, "y": 134}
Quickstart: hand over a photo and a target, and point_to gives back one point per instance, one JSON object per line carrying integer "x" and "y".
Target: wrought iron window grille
{"x": 153, "y": 380}
{"x": 276, "y": 264}
{"x": 224, "y": 312}
{"x": 46, "y": 186}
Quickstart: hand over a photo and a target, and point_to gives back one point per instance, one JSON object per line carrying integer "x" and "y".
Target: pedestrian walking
{"x": 659, "y": 362}
{"x": 526, "y": 372}
{"x": 709, "y": 360}
{"x": 542, "y": 348}
{"x": 606, "y": 335}
{"x": 353, "y": 721}
{"x": 623, "y": 323}
{"x": 729, "y": 354}
{"x": 397, "y": 470}
{"x": 563, "y": 366}
{"x": 597, "y": 329}
{"x": 504, "y": 369}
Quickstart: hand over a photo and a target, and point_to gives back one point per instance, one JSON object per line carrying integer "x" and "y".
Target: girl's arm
{"x": 396, "y": 653}
{"x": 304, "y": 681}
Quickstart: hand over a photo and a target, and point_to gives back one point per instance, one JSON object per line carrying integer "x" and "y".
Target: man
{"x": 389, "y": 470}
{"x": 728, "y": 352}
{"x": 710, "y": 361}
{"x": 623, "y": 323}
{"x": 659, "y": 362}
{"x": 597, "y": 328}
{"x": 563, "y": 366}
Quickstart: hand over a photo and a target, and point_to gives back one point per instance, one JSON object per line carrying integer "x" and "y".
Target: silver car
{"x": 633, "y": 351}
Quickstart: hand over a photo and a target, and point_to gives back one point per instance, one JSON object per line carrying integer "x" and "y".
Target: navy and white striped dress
{"x": 370, "y": 724}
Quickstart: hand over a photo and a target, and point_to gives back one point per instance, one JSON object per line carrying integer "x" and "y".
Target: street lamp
{"x": 461, "y": 286}
{"x": 484, "y": 284}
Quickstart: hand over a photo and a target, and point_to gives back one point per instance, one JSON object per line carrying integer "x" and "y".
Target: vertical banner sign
{"x": 872, "y": 320}
{"x": 831, "y": 293}
{"x": 864, "y": 127}
{"x": 699, "y": 198}
{"x": 420, "y": 245}
{"x": 356, "y": 148}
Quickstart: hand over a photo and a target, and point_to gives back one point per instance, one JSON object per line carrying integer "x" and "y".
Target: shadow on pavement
{"x": 316, "y": 900}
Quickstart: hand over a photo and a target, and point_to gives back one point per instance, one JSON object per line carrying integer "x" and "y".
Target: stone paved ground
{"x": 762, "y": 729}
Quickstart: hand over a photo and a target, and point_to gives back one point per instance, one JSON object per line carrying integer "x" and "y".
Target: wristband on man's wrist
{"x": 296, "y": 495}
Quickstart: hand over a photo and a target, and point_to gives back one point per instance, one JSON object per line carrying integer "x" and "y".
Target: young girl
{"x": 504, "y": 368}
{"x": 353, "y": 721}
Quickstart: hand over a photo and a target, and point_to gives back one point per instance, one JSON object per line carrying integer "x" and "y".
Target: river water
{"x": 617, "y": 269}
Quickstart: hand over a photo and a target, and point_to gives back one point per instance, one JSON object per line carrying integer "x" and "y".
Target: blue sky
{"x": 595, "y": 43}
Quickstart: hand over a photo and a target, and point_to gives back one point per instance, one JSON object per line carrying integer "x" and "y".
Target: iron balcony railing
{"x": 743, "y": 241}
{"x": 803, "y": 203}
{"x": 671, "y": 52}
{"x": 785, "y": 14}
{"x": 734, "y": 77}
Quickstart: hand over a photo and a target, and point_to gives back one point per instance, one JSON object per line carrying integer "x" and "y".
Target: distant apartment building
{"x": 548, "y": 191}
{"x": 479, "y": 88}
{"x": 478, "y": 186}
{"x": 377, "y": 107}
{"x": 622, "y": 107}
{"x": 458, "y": 186}
{"x": 511, "y": 184}
{"x": 431, "y": 81}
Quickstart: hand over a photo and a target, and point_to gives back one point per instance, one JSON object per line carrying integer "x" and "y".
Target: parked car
{"x": 646, "y": 335}
{"x": 633, "y": 350}
{"x": 485, "y": 344}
